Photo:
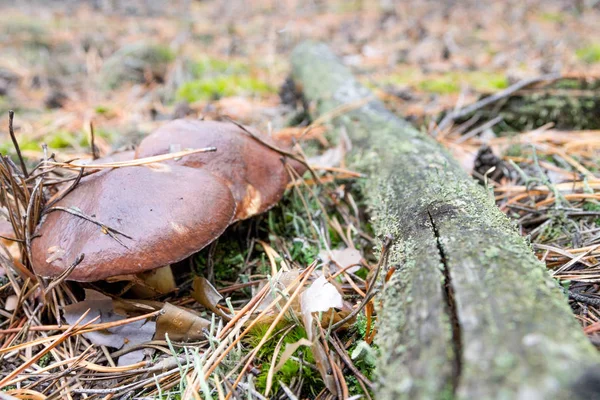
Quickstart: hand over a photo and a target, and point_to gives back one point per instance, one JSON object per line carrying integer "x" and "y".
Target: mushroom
{"x": 129, "y": 220}
{"x": 126, "y": 155}
{"x": 256, "y": 174}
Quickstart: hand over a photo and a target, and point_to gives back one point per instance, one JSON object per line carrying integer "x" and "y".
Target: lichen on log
{"x": 469, "y": 311}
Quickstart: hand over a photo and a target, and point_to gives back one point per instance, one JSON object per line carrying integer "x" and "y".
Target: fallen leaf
{"x": 11, "y": 303}
{"x": 343, "y": 258}
{"x": 290, "y": 348}
{"x": 279, "y": 282}
{"x": 289, "y": 135}
{"x": 102, "y": 306}
{"x": 206, "y": 294}
{"x": 333, "y": 157}
{"x": 180, "y": 324}
{"x": 330, "y": 158}
{"x": 319, "y": 297}
{"x": 155, "y": 282}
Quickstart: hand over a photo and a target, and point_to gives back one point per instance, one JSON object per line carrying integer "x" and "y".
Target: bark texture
{"x": 469, "y": 311}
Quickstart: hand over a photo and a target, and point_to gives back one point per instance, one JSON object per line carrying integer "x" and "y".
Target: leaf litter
{"x": 552, "y": 192}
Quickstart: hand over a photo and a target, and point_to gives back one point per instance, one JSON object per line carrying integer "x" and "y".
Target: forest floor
{"x": 127, "y": 70}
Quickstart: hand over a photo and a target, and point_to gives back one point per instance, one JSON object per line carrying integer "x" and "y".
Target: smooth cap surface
{"x": 256, "y": 174}
{"x": 169, "y": 211}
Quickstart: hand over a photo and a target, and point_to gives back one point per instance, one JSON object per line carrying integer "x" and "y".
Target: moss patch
{"x": 481, "y": 81}
{"x": 292, "y": 368}
{"x": 222, "y": 86}
{"x": 589, "y": 54}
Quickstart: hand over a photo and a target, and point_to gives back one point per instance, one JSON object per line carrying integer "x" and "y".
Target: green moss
{"x": 45, "y": 360}
{"x": 568, "y": 84}
{"x": 61, "y": 140}
{"x": 16, "y": 26}
{"x": 487, "y": 81}
{"x": 221, "y": 86}
{"x": 213, "y": 66}
{"x": 442, "y": 85}
{"x": 589, "y": 54}
{"x": 228, "y": 259}
{"x": 591, "y": 205}
{"x": 482, "y": 81}
{"x": 102, "y": 109}
{"x": 7, "y": 148}
{"x": 552, "y": 17}
{"x": 292, "y": 368}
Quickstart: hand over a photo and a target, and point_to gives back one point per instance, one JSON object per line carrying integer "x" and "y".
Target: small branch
{"x": 354, "y": 312}
{"x": 11, "y": 116}
{"x": 270, "y": 146}
{"x": 68, "y": 190}
{"x": 335, "y": 341}
{"x": 61, "y": 278}
{"x": 93, "y": 142}
{"x": 582, "y": 298}
{"x": 107, "y": 229}
{"x": 463, "y": 112}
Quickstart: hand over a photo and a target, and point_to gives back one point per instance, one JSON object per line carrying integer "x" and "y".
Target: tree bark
{"x": 469, "y": 311}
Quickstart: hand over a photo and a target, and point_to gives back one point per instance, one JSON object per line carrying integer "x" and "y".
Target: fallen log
{"x": 469, "y": 311}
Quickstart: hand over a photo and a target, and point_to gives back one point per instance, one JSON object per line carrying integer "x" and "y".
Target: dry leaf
{"x": 334, "y": 157}
{"x": 343, "y": 258}
{"x": 206, "y": 294}
{"x": 11, "y": 303}
{"x": 322, "y": 363}
{"x": 281, "y": 281}
{"x": 319, "y": 297}
{"x": 330, "y": 158}
{"x": 158, "y": 281}
{"x": 290, "y": 348}
{"x": 180, "y": 324}
{"x": 102, "y": 306}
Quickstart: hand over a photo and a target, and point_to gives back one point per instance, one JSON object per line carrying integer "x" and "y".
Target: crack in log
{"x": 448, "y": 291}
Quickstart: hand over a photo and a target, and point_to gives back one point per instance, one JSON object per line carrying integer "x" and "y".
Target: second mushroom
{"x": 129, "y": 220}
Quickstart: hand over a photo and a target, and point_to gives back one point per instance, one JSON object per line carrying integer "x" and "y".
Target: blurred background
{"x": 127, "y": 65}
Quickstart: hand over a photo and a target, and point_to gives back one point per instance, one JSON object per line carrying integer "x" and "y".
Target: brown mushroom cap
{"x": 127, "y": 155}
{"x": 256, "y": 173}
{"x": 168, "y": 211}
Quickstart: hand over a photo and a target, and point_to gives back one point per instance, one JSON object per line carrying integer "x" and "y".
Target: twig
{"x": 354, "y": 312}
{"x": 11, "y": 116}
{"x": 582, "y": 298}
{"x": 335, "y": 341}
{"x": 454, "y": 115}
{"x": 68, "y": 190}
{"x": 139, "y": 161}
{"x": 93, "y": 142}
{"x": 60, "y": 279}
{"x": 479, "y": 129}
{"x": 110, "y": 231}
{"x": 272, "y": 147}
